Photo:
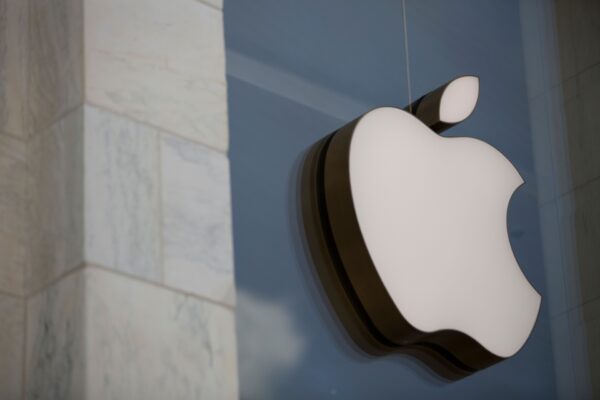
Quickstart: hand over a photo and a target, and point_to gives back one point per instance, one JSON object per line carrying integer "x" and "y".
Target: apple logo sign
{"x": 415, "y": 225}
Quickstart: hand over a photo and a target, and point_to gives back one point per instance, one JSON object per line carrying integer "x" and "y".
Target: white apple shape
{"x": 432, "y": 214}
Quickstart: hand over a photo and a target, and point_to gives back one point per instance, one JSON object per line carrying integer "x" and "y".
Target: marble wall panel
{"x": 99, "y": 335}
{"x": 12, "y": 338}
{"x": 122, "y": 194}
{"x": 13, "y": 41}
{"x": 54, "y": 61}
{"x": 14, "y": 195}
{"x": 161, "y": 63}
{"x": 146, "y": 342}
{"x": 86, "y": 187}
{"x": 56, "y": 209}
{"x": 55, "y": 359}
{"x": 197, "y": 237}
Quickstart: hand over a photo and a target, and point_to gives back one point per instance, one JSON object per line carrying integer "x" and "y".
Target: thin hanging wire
{"x": 406, "y": 56}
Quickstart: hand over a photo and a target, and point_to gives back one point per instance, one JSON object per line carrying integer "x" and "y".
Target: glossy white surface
{"x": 432, "y": 211}
{"x": 459, "y": 99}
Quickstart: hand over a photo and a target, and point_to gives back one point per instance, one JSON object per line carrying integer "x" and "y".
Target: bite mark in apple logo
{"x": 408, "y": 233}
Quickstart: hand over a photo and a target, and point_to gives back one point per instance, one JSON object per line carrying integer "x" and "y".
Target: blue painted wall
{"x": 291, "y": 345}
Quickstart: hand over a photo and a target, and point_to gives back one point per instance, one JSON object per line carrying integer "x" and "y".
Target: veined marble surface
{"x": 12, "y": 337}
{"x": 98, "y": 335}
{"x": 161, "y": 62}
{"x": 56, "y": 228}
{"x": 122, "y": 194}
{"x": 14, "y": 243}
{"x": 55, "y": 359}
{"x": 198, "y": 251}
{"x": 54, "y": 61}
{"x": 91, "y": 191}
{"x": 147, "y": 342}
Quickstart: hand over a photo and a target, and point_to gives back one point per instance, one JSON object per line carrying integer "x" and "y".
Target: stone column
{"x": 116, "y": 260}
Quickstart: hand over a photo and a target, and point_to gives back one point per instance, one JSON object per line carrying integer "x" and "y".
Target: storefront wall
{"x": 298, "y": 71}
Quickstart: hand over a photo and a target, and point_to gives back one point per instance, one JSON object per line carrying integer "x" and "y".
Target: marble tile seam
{"x": 161, "y": 130}
{"x": 580, "y": 72}
{"x": 567, "y": 192}
{"x": 88, "y": 103}
{"x": 572, "y": 308}
{"x": 27, "y": 137}
{"x": 558, "y": 195}
{"x": 209, "y": 5}
{"x": 561, "y": 194}
{"x": 160, "y": 285}
{"x": 46, "y": 129}
{"x": 12, "y": 295}
{"x": 54, "y": 281}
{"x": 572, "y": 190}
{"x": 196, "y": 201}
{"x": 581, "y": 185}
{"x": 562, "y": 81}
{"x": 20, "y": 138}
